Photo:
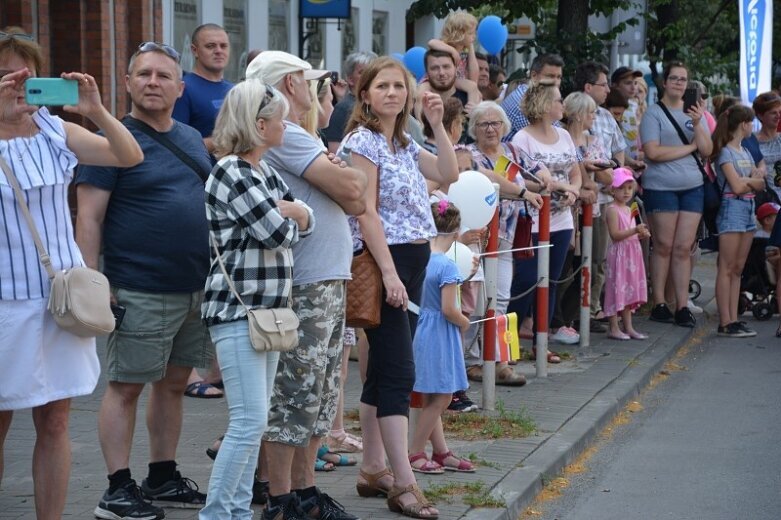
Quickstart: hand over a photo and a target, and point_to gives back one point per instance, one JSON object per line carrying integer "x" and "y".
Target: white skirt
{"x": 39, "y": 361}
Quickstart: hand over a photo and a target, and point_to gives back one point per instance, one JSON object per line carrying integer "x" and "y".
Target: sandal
{"x": 212, "y": 452}
{"x": 341, "y": 460}
{"x": 372, "y": 487}
{"x": 553, "y": 357}
{"x": 200, "y": 389}
{"x": 475, "y": 373}
{"x": 323, "y": 465}
{"x": 429, "y": 467}
{"x": 506, "y": 376}
{"x": 413, "y": 510}
{"x": 344, "y": 444}
{"x": 463, "y": 465}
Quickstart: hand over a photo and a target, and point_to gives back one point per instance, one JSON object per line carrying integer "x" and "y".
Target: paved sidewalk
{"x": 569, "y": 408}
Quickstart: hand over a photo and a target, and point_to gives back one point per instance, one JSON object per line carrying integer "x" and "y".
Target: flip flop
{"x": 199, "y": 390}
{"x": 344, "y": 460}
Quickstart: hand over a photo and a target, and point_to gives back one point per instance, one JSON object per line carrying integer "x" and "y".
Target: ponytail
{"x": 726, "y": 126}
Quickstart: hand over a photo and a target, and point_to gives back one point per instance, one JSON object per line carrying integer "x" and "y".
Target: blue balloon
{"x": 491, "y": 34}
{"x": 399, "y": 56}
{"x": 413, "y": 60}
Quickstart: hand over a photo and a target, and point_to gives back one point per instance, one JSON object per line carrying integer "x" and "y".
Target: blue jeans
{"x": 525, "y": 275}
{"x": 248, "y": 376}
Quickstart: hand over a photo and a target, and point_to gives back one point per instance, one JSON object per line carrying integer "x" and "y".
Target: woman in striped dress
{"x": 44, "y": 366}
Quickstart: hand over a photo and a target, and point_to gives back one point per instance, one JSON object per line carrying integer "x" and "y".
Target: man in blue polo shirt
{"x": 205, "y": 87}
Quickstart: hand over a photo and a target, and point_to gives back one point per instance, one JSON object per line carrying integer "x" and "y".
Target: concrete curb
{"x": 521, "y": 485}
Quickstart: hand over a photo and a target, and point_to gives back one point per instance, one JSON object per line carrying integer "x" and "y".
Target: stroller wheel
{"x": 762, "y": 311}
{"x": 744, "y": 304}
{"x": 695, "y": 289}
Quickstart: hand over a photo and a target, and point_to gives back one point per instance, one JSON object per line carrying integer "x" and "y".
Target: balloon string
{"x": 516, "y": 249}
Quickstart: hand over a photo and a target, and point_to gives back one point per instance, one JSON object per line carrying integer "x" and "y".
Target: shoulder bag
{"x": 80, "y": 297}
{"x": 270, "y": 330}
{"x": 364, "y": 290}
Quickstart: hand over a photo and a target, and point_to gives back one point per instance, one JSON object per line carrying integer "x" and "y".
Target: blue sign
{"x": 324, "y": 8}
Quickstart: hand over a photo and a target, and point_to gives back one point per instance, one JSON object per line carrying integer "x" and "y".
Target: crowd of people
{"x": 300, "y": 170}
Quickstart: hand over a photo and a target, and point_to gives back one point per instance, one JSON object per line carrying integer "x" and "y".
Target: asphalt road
{"x": 705, "y": 446}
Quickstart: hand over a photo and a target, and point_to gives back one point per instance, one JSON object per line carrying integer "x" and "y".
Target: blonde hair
{"x": 578, "y": 104}
{"x": 457, "y": 25}
{"x": 538, "y": 100}
{"x": 235, "y": 130}
{"x": 642, "y": 97}
{"x": 310, "y": 119}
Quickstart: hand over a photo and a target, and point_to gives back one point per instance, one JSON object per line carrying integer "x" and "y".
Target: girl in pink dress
{"x": 625, "y": 286}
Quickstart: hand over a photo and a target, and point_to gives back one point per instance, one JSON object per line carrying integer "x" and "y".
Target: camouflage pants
{"x": 306, "y": 387}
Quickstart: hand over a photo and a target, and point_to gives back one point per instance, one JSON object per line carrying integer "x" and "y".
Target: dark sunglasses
{"x": 334, "y": 77}
{"x": 266, "y": 99}
{"x": 154, "y": 46}
{"x": 17, "y": 36}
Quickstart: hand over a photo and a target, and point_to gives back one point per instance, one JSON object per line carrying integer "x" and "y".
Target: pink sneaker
{"x": 566, "y": 335}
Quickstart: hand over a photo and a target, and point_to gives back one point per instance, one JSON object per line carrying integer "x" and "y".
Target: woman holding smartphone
{"x": 45, "y": 366}
{"x": 673, "y": 191}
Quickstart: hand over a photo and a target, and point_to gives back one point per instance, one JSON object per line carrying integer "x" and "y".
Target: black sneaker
{"x": 461, "y": 403}
{"x": 290, "y": 510}
{"x": 127, "y": 503}
{"x": 729, "y": 331}
{"x": 180, "y": 492}
{"x": 685, "y": 318}
{"x": 743, "y": 326}
{"x": 260, "y": 492}
{"x": 323, "y": 507}
{"x": 661, "y": 313}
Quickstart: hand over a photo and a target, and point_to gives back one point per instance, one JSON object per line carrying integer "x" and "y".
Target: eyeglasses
{"x": 485, "y": 125}
{"x": 677, "y": 79}
{"x": 154, "y": 46}
{"x": 603, "y": 85}
{"x": 266, "y": 99}
{"x": 17, "y": 36}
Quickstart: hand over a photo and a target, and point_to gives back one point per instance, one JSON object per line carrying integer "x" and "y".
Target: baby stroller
{"x": 757, "y": 283}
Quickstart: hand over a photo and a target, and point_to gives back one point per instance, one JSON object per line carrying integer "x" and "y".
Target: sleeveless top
{"x": 43, "y": 165}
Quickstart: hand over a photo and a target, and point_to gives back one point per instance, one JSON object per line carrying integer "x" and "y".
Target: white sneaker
{"x": 693, "y": 308}
{"x": 566, "y": 335}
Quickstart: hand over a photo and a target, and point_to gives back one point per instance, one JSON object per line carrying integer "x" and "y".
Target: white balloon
{"x": 463, "y": 258}
{"x": 475, "y": 197}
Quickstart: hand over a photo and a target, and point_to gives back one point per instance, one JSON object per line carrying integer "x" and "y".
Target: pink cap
{"x": 621, "y": 176}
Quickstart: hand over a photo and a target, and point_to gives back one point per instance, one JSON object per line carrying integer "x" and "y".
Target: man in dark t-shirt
{"x": 151, "y": 221}
{"x": 441, "y": 71}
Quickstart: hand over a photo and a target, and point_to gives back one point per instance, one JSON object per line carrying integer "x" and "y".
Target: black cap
{"x": 621, "y": 72}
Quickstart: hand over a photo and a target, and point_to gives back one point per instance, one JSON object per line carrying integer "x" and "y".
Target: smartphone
{"x": 691, "y": 97}
{"x": 119, "y": 314}
{"x": 51, "y": 91}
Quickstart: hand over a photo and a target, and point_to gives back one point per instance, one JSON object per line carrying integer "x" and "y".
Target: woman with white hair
{"x": 488, "y": 124}
{"x": 253, "y": 220}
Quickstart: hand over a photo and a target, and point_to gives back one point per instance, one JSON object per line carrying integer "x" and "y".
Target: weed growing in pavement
{"x": 477, "y": 461}
{"x": 475, "y": 494}
{"x": 473, "y": 425}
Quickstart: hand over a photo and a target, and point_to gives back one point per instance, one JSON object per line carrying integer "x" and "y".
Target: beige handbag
{"x": 80, "y": 298}
{"x": 269, "y": 329}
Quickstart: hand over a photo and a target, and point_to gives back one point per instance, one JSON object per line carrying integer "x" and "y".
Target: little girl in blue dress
{"x": 439, "y": 359}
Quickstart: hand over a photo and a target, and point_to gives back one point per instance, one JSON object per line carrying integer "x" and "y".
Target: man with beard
{"x": 441, "y": 71}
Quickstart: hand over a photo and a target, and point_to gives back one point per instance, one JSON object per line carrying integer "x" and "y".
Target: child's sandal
{"x": 463, "y": 465}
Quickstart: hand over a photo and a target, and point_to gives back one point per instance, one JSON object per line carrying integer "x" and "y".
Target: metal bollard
{"x": 490, "y": 269}
{"x": 543, "y": 274}
{"x": 585, "y": 275}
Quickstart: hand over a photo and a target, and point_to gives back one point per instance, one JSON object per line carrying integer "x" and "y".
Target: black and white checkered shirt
{"x": 253, "y": 238}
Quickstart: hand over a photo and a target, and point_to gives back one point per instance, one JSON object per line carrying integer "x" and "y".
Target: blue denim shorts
{"x": 736, "y": 216}
{"x": 660, "y": 201}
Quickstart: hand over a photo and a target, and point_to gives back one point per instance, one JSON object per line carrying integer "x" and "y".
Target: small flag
{"x": 513, "y": 340}
{"x": 634, "y": 211}
{"x": 507, "y": 168}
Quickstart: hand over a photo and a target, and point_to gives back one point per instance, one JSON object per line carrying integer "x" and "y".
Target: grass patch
{"x": 473, "y": 425}
{"x": 477, "y": 461}
{"x": 474, "y": 494}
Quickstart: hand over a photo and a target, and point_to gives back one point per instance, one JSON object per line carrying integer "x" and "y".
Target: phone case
{"x": 51, "y": 91}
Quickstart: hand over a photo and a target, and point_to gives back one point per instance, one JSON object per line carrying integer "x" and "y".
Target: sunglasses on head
{"x": 154, "y": 46}
{"x": 266, "y": 99}
{"x": 17, "y": 36}
{"x": 333, "y": 76}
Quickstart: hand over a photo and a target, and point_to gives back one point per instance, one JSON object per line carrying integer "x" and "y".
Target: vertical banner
{"x": 756, "y": 48}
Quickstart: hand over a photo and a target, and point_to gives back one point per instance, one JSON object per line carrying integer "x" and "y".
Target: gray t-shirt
{"x": 327, "y": 253}
{"x": 677, "y": 175}
{"x": 740, "y": 160}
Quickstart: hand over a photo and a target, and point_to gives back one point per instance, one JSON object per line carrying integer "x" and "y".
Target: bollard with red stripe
{"x": 585, "y": 275}
{"x": 490, "y": 268}
{"x": 543, "y": 274}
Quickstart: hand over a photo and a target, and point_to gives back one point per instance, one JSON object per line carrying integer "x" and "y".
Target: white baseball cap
{"x": 271, "y": 66}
